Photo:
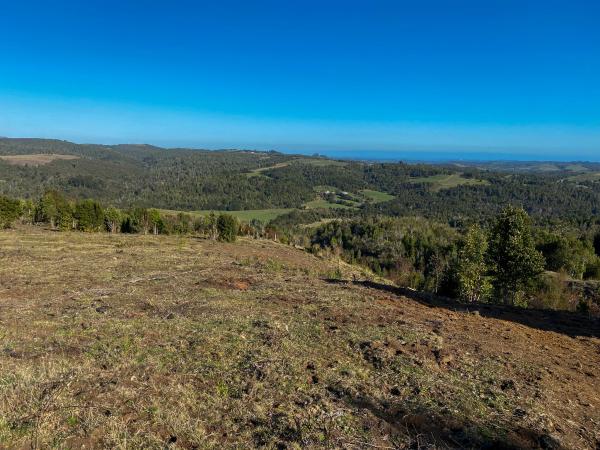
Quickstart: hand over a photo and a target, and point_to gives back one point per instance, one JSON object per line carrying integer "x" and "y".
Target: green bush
{"x": 551, "y": 292}
{"x": 227, "y": 228}
{"x": 55, "y": 210}
{"x": 10, "y": 210}
{"x": 89, "y": 215}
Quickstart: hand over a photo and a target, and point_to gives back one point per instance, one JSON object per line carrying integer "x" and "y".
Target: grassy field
{"x": 439, "y": 182}
{"x": 358, "y": 199}
{"x": 592, "y": 176}
{"x": 264, "y": 215}
{"x": 377, "y": 196}
{"x": 576, "y": 168}
{"x": 260, "y": 171}
{"x": 127, "y": 341}
{"x": 324, "y": 162}
{"x": 322, "y": 203}
{"x": 314, "y": 162}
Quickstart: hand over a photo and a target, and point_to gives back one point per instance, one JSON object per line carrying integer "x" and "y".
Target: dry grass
{"x": 153, "y": 342}
{"x": 36, "y": 159}
{"x": 442, "y": 181}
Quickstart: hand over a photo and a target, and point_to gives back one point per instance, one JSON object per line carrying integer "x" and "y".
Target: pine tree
{"x": 54, "y": 209}
{"x": 89, "y": 215}
{"x": 10, "y": 210}
{"x": 514, "y": 261}
{"x": 227, "y": 228}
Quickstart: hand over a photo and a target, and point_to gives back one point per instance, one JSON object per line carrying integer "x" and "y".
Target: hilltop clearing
{"x": 132, "y": 341}
{"x": 439, "y": 182}
{"x": 35, "y": 160}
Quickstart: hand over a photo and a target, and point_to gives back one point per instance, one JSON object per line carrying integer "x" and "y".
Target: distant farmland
{"x": 35, "y": 160}
{"x": 264, "y": 215}
{"x": 442, "y": 181}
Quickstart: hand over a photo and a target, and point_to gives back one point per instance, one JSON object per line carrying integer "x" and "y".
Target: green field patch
{"x": 576, "y": 168}
{"x": 593, "y": 176}
{"x": 444, "y": 181}
{"x": 260, "y": 171}
{"x": 546, "y": 168}
{"x": 377, "y": 196}
{"x": 323, "y": 162}
{"x": 264, "y": 215}
{"x": 324, "y": 204}
{"x": 321, "y": 189}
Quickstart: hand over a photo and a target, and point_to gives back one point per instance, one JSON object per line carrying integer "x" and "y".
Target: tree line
{"x": 506, "y": 261}
{"x": 56, "y": 211}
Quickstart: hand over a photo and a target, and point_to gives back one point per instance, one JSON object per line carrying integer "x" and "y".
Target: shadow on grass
{"x": 572, "y": 324}
{"x": 424, "y": 429}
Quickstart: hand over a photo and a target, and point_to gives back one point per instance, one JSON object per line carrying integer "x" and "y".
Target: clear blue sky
{"x": 482, "y": 77}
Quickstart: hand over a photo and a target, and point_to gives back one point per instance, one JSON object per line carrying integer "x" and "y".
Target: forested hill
{"x": 186, "y": 179}
{"x": 144, "y": 175}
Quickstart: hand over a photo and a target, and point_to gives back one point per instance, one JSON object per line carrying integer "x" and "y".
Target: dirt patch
{"x": 35, "y": 160}
{"x": 240, "y": 285}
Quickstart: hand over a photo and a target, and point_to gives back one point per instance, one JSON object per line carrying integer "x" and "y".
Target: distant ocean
{"x": 444, "y": 156}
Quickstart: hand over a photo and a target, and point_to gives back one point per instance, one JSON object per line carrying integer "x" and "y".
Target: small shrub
{"x": 551, "y": 292}
{"x": 273, "y": 265}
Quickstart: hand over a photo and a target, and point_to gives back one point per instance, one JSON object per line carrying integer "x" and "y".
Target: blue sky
{"x": 494, "y": 78}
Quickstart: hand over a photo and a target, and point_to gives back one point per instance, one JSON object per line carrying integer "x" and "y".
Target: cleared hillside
{"x": 117, "y": 341}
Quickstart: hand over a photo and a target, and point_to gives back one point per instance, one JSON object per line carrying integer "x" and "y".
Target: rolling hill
{"x": 128, "y": 176}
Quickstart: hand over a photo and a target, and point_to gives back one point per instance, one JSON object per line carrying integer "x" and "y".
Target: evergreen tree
{"x": 227, "y": 228}
{"x": 55, "y": 210}
{"x": 473, "y": 285}
{"x": 137, "y": 221}
{"x": 89, "y": 215}
{"x": 566, "y": 253}
{"x": 514, "y": 261}
{"x": 10, "y": 210}
{"x": 128, "y": 225}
